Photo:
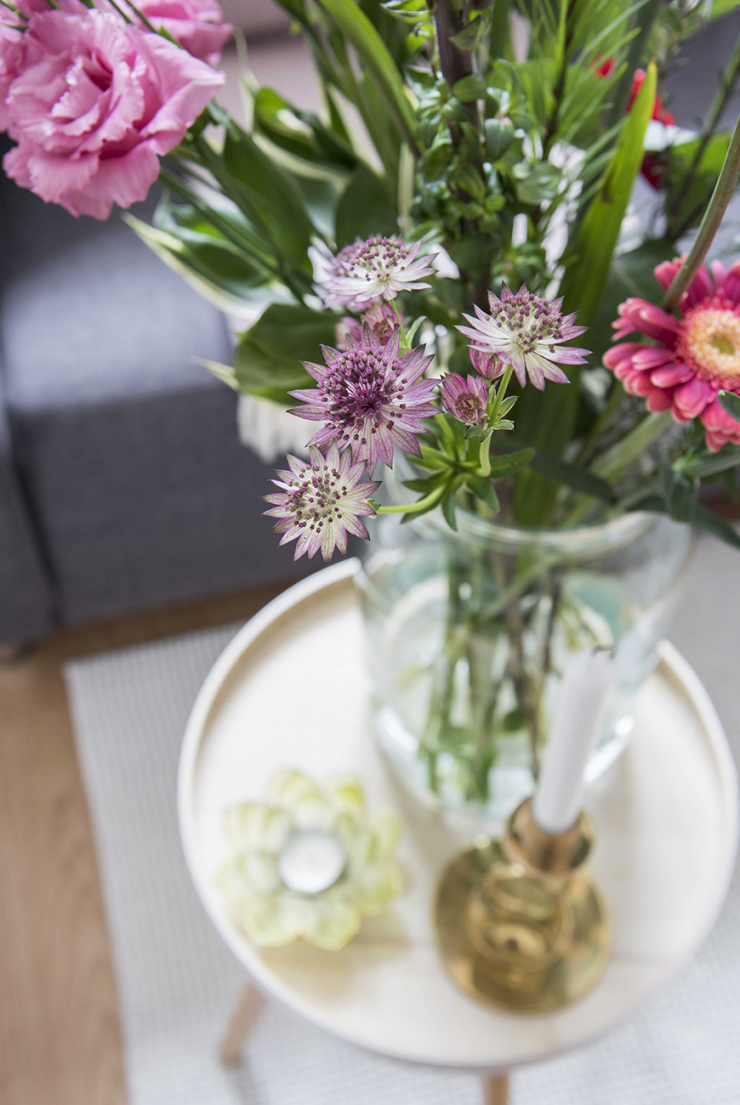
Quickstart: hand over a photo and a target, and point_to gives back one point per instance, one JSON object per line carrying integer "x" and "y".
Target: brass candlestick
{"x": 520, "y": 921}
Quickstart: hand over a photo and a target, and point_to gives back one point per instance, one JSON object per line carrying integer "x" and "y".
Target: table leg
{"x": 496, "y": 1089}
{"x": 241, "y": 1024}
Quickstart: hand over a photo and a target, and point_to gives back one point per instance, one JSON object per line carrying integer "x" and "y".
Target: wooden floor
{"x": 59, "y": 1034}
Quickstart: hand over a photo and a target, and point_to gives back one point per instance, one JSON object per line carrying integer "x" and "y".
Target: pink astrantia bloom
{"x": 687, "y": 360}
{"x": 320, "y": 503}
{"x": 465, "y": 400}
{"x": 369, "y": 398}
{"x": 96, "y": 109}
{"x": 488, "y": 364}
{"x": 368, "y": 272}
{"x": 381, "y": 318}
{"x": 525, "y": 331}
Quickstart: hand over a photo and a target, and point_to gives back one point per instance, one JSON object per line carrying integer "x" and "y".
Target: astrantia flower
{"x": 488, "y": 364}
{"x": 369, "y": 398}
{"x": 465, "y": 400}
{"x": 368, "y": 272}
{"x": 271, "y": 912}
{"x": 691, "y": 358}
{"x": 524, "y": 330}
{"x": 321, "y": 502}
{"x": 381, "y": 318}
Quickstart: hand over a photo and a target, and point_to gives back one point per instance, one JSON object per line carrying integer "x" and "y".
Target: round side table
{"x": 291, "y": 691}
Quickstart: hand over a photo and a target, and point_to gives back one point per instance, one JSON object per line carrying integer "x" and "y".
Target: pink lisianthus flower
{"x": 196, "y": 24}
{"x": 465, "y": 400}
{"x": 99, "y": 104}
{"x": 12, "y": 57}
{"x": 688, "y": 360}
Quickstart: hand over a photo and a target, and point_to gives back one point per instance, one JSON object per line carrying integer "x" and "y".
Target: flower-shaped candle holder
{"x": 311, "y": 862}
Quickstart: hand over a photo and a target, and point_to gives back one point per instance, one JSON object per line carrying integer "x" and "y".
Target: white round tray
{"x": 290, "y": 691}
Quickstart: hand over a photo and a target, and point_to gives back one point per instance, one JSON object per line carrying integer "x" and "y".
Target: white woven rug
{"x": 177, "y": 983}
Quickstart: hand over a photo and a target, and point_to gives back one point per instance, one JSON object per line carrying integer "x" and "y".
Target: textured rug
{"x": 177, "y": 983}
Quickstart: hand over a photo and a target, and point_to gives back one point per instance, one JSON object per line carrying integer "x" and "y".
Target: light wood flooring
{"x": 59, "y": 1033}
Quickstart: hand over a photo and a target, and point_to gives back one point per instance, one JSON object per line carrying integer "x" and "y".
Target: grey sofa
{"x": 123, "y": 484}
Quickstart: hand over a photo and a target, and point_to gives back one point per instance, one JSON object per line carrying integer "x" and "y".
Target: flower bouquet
{"x": 415, "y": 264}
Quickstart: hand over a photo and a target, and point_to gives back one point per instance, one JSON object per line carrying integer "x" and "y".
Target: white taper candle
{"x": 587, "y": 682}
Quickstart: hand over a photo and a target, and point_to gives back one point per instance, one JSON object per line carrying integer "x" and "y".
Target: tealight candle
{"x": 587, "y": 682}
{"x": 311, "y": 861}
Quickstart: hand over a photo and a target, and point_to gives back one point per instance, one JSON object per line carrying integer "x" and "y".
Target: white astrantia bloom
{"x": 368, "y": 272}
{"x": 272, "y": 913}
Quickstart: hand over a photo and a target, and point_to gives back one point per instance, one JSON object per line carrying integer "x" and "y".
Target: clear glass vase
{"x": 468, "y": 633}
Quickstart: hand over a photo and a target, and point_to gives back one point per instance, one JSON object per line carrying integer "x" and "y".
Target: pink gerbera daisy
{"x": 320, "y": 503}
{"x": 525, "y": 331}
{"x": 689, "y": 359}
{"x": 369, "y": 398}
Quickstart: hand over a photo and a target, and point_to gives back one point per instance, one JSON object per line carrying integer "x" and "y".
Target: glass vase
{"x": 468, "y": 634}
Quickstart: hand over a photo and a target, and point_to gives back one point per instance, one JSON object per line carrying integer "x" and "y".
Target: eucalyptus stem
{"x": 710, "y": 224}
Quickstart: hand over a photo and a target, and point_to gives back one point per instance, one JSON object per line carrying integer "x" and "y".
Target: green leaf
{"x": 269, "y": 354}
{"x": 217, "y": 270}
{"x": 300, "y": 133}
{"x": 485, "y": 491}
{"x": 730, "y": 402}
{"x": 267, "y": 193}
{"x": 353, "y": 23}
{"x": 365, "y": 209}
{"x": 511, "y": 463}
{"x": 547, "y": 420}
{"x": 470, "y": 88}
{"x": 499, "y": 136}
{"x": 572, "y": 476}
{"x": 469, "y": 37}
{"x": 448, "y": 509}
{"x": 679, "y": 492}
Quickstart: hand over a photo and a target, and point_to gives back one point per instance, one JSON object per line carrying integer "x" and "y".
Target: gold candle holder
{"x": 520, "y": 921}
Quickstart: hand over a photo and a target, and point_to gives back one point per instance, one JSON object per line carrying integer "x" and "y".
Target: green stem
{"x": 716, "y": 108}
{"x": 400, "y": 324}
{"x": 710, "y": 224}
{"x": 414, "y": 508}
{"x": 648, "y": 15}
{"x": 617, "y": 460}
{"x": 500, "y": 395}
{"x": 484, "y": 456}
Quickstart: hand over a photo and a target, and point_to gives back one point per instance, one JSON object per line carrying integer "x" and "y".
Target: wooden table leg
{"x": 496, "y": 1089}
{"x": 241, "y": 1024}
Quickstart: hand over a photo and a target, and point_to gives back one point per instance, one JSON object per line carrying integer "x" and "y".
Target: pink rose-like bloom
{"x": 12, "y": 54}
{"x": 196, "y": 24}
{"x": 99, "y": 104}
{"x": 693, "y": 357}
